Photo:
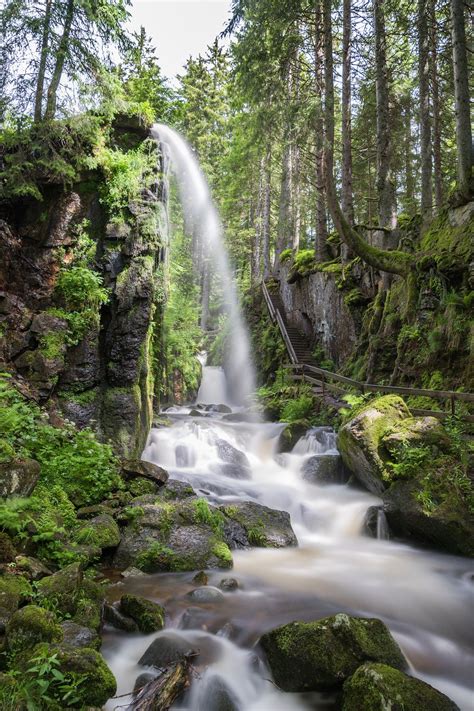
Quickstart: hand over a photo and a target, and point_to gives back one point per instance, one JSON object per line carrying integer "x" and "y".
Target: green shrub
{"x": 81, "y": 288}
{"x": 298, "y": 409}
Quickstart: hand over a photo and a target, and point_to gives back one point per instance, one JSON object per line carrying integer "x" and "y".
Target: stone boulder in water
{"x": 133, "y": 468}
{"x": 174, "y": 536}
{"x": 228, "y": 453}
{"x": 379, "y": 687}
{"x": 325, "y": 469}
{"x": 320, "y": 656}
{"x": 415, "y": 466}
{"x": 253, "y": 524}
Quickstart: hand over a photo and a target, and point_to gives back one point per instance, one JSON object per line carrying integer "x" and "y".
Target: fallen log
{"x": 161, "y": 693}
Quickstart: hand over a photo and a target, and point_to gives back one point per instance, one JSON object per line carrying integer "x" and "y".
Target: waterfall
{"x": 202, "y": 217}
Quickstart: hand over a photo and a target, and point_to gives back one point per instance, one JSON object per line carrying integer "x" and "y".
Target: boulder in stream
{"x": 133, "y": 468}
{"x": 258, "y": 525}
{"x": 377, "y": 687}
{"x": 228, "y": 453}
{"x": 166, "y": 649}
{"x": 319, "y": 656}
{"x": 325, "y": 469}
{"x": 149, "y": 616}
{"x": 175, "y": 536}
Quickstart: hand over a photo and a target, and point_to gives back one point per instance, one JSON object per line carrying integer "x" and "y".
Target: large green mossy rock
{"x": 174, "y": 536}
{"x": 360, "y": 441}
{"x": 261, "y": 526}
{"x": 101, "y": 532}
{"x": 95, "y": 682}
{"x": 29, "y": 626}
{"x": 73, "y": 596}
{"x": 378, "y": 687}
{"x": 318, "y": 656}
{"x": 13, "y": 590}
{"x": 416, "y": 468}
{"x": 149, "y": 616}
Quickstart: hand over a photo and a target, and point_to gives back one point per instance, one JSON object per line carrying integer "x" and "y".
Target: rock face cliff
{"x": 416, "y": 331}
{"x": 99, "y": 372}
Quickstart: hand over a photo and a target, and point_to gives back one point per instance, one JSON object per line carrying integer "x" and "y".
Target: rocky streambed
{"x": 237, "y": 577}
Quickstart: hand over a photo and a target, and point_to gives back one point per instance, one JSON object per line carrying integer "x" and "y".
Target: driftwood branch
{"x": 161, "y": 693}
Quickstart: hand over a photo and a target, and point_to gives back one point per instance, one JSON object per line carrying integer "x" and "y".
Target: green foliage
{"x": 286, "y": 255}
{"x": 42, "y": 686}
{"x": 81, "y": 288}
{"x": 72, "y": 459}
{"x": 298, "y": 409}
{"x": 210, "y": 517}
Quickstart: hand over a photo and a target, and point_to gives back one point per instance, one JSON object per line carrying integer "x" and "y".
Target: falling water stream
{"x": 424, "y": 597}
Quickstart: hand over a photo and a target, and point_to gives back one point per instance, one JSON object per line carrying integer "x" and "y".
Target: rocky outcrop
{"x": 414, "y": 465}
{"x": 101, "y": 374}
{"x": 252, "y": 524}
{"x": 316, "y": 306}
{"x": 320, "y": 656}
{"x": 18, "y": 477}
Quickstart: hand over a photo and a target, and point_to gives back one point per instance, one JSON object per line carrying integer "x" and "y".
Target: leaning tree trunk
{"x": 461, "y": 100}
{"x": 52, "y": 94}
{"x": 387, "y": 207}
{"x": 425, "y": 115}
{"x": 42, "y": 64}
{"x": 257, "y": 224}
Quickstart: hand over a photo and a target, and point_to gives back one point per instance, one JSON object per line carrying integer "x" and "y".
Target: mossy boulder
{"x": 31, "y": 567}
{"x": 29, "y": 626}
{"x": 137, "y": 468}
{"x": 321, "y": 655}
{"x": 13, "y": 590}
{"x": 101, "y": 531}
{"x": 252, "y": 524}
{"x": 378, "y": 687}
{"x": 148, "y": 615}
{"x": 76, "y": 635}
{"x": 96, "y": 683}
{"x": 176, "y": 536}
{"x": 73, "y": 595}
{"x": 360, "y": 441}
{"x": 18, "y": 477}
{"x": 435, "y": 507}
{"x": 414, "y": 432}
{"x": 7, "y": 549}
{"x": 291, "y": 434}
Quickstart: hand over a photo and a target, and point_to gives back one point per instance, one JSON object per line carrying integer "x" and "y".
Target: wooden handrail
{"x": 447, "y": 395}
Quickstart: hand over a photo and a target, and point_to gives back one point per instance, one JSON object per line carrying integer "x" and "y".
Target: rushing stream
{"x": 425, "y": 598}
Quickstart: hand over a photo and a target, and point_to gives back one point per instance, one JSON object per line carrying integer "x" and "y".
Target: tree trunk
{"x": 59, "y": 65}
{"x": 387, "y": 208}
{"x": 434, "y": 81}
{"x": 461, "y": 100}
{"x": 161, "y": 693}
{"x": 409, "y": 175}
{"x": 347, "y": 197}
{"x": 425, "y": 117}
{"x": 255, "y": 258}
{"x": 320, "y": 245}
{"x": 284, "y": 237}
{"x": 42, "y": 65}
{"x": 394, "y": 262}
{"x": 266, "y": 214}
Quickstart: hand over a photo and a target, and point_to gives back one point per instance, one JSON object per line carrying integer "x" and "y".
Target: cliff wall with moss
{"x": 81, "y": 275}
{"x": 419, "y": 331}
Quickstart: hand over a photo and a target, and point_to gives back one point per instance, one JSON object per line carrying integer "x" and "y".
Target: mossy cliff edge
{"x": 81, "y": 276}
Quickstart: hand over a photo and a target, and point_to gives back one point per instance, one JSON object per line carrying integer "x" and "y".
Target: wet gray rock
{"x": 231, "y": 454}
{"x": 164, "y": 650}
{"x": 78, "y": 636}
{"x": 291, "y": 434}
{"x": 219, "y": 696}
{"x": 194, "y": 618}
{"x": 142, "y": 680}
{"x": 175, "y": 490}
{"x": 18, "y": 477}
{"x": 325, "y": 469}
{"x": 233, "y": 471}
{"x": 206, "y": 593}
{"x": 31, "y": 567}
{"x": 262, "y": 526}
{"x": 117, "y": 619}
{"x": 229, "y": 584}
{"x": 133, "y": 468}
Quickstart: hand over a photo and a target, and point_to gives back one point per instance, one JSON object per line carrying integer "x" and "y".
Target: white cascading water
{"x": 213, "y": 387}
{"x": 424, "y": 597}
{"x": 202, "y": 217}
